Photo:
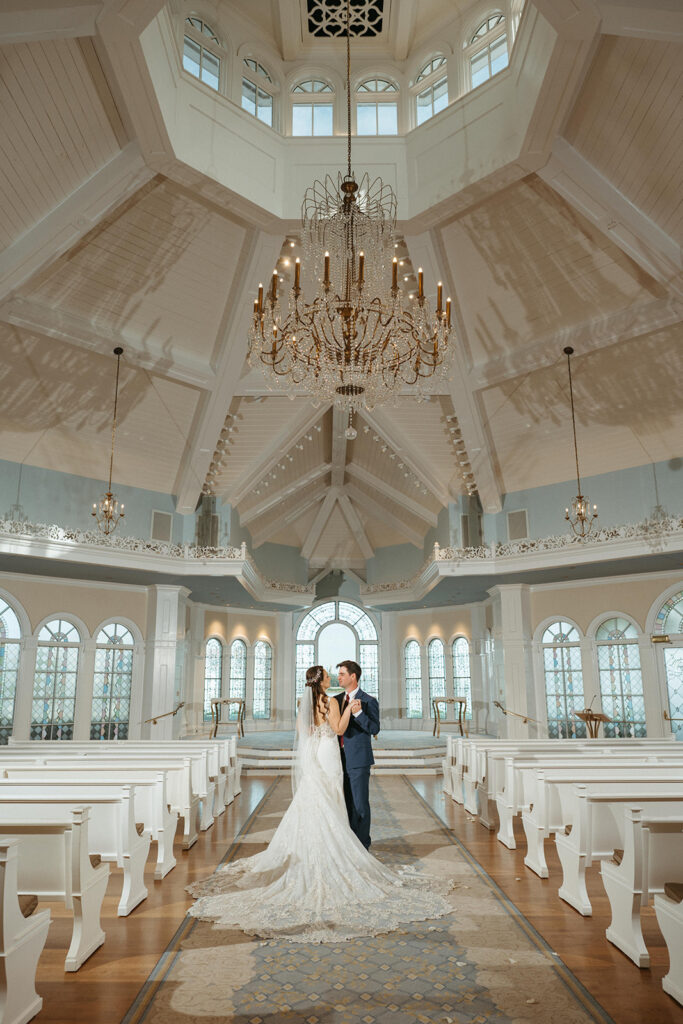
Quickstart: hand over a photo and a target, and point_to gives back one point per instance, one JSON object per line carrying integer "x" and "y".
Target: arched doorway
{"x": 333, "y": 631}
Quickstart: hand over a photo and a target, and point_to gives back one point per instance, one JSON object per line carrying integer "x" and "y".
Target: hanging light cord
{"x": 348, "y": 87}
{"x": 571, "y": 399}
{"x": 116, "y": 404}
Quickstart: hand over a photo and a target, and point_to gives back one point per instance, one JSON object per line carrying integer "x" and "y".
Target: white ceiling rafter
{"x": 284, "y": 491}
{"x": 398, "y": 497}
{"x": 117, "y": 182}
{"x": 288, "y": 517}
{"x": 280, "y": 445}
{"x": 255, "y": 264}
{"x": 383, "y": 514}
{"x": 355, "y": 526}
{"x": 339, "y": 443}
{"x": 32, "y": 21}
{"x": 319, "y": 523}
{"x": 400, "y": 444}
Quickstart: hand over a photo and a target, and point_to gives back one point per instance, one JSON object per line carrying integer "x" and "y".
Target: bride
{"x": 316, "y": 882}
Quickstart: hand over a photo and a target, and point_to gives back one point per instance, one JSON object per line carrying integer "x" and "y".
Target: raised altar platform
{"x": 396, "y": 752}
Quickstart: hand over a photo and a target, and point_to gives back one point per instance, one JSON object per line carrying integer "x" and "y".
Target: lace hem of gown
{"x": 234, "y": 897}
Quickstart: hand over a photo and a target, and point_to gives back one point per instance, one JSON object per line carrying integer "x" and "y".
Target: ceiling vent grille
{"x": 162, "y": 523}
{"x": 327, "y": 18}
{"x": 518, "y": 527}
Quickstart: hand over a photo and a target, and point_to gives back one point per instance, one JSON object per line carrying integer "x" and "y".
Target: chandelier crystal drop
{"x": 107, "y": 511}
{"x": 580, "y": 517}
{"x": 346, "y": 334}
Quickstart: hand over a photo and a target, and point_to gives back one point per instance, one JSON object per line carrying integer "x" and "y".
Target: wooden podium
{"x": 217, "y": 703}
{"x": 593, "y": 720}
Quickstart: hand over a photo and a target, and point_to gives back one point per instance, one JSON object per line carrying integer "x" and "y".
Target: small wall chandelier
{"x": 580, "y": 518}
{"x": 357, "y": 343}
{"x": 107, "y": 510}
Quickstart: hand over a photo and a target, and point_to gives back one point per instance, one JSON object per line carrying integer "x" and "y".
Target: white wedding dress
{"x": 316, "y": 882}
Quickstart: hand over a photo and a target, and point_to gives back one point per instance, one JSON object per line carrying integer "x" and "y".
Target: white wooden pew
{"x": 150, "y": 799}
{"x": 22, "y": 940}
{"x": 112, "y": 834}
{"x": 669, "y": 911}
{"x": 54, "y": 864}
{"x": 652, "y": 854}
{"x": 183, "y": 799}
{"x": 598, "y": 829}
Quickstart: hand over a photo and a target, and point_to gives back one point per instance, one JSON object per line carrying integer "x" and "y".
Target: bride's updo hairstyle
{"x": 314, "y": 678}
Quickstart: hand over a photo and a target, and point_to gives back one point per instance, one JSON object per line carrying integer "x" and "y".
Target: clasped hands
{"x": 355, "y": 706}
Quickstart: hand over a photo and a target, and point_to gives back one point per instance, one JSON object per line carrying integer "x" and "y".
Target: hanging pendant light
{"x": 359, "y": 342}
{"x": 107, "y": 510}
{"x": 580, "y": 517}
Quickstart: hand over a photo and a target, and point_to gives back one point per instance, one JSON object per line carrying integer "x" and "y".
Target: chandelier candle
{"x": 353, "y": 340}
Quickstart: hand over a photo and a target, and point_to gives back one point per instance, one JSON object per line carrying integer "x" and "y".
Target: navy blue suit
{"x": 357, "y": 758}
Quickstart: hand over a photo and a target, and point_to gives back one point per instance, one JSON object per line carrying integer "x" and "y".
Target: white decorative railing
{"x": 135, "y": 545}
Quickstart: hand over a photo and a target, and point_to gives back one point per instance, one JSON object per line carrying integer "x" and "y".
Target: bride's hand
{"x": 355, "y": 706}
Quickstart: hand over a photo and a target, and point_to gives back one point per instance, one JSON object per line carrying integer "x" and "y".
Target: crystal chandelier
{"x": 580, "y": 518}
{"x": 357, "y": 342}
{"x": 107, "y": 510}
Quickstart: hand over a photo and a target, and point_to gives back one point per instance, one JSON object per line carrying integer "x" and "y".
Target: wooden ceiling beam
{"x": 398, "y": 497}
{"x": 355, "y": 526}
{"x": 319, "y": 523}
{"x": 382, "y": 514}
{"x": 339, "y": 424}
{"x": 29, "y": 21}
{"x": 281, "y": 493}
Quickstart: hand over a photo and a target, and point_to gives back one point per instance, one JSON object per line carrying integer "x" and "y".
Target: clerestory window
{"x": 376, "y": 107}
{"x": 313, "y": 108}
{"x": 488, "y": 49}
{"x": 432, "y": 95}
{"x": 201, "y": 56}
{"x": 257, "y": 97}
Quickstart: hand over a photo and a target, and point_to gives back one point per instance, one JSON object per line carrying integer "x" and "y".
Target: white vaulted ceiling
{"x": 548, "y": 201}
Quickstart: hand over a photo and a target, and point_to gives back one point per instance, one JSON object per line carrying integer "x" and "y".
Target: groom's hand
{"x": 356, "y": 706}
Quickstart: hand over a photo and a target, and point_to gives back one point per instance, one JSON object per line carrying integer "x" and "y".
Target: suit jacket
{"x": 358, "y": 736}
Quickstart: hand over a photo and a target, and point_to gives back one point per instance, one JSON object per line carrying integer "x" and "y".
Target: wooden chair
{"x": 436, "y": 705}
{"x": 217, "y": 703}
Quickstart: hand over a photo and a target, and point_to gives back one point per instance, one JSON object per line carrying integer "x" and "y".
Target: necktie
{"x": 344, "y": 707}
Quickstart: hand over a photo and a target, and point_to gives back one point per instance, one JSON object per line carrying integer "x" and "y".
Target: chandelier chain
{"x": 348, "y": 88}
{"x": 113, "y": 426}
{"x": 571, "y": 399}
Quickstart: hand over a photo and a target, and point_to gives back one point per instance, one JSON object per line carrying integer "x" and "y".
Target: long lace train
{"x": 316, "y": 882}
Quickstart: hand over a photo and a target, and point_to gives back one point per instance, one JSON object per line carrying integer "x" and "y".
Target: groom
{"x": 356, "y": 747}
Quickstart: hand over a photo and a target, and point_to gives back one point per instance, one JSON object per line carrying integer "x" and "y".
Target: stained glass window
{"x": 54, "y": 685}
{"x": 563, "y": 674}
{"x": 413, "y": 673}
{"x": 10, "y": 649}
{"x": 198, "y": 60}
{"x": 308, "y": 635}
{"x": 112, "y": 683}
{"x": 436, "y": 660}
{"x": 621, "y": 679}
{"x": 670, "y": 616}
{"x": 263, "y": 677}
{"x": 213, "y": 673}
{"x": 238, "y": 674}
{"x": 673, "y": 666}
{"x": 462, "y": 682}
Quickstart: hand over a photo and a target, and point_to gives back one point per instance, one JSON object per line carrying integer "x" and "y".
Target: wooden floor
{"x": 104, "y": 988}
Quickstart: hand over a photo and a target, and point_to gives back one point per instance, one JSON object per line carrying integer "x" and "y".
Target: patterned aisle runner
{"x": 483, "y": 965}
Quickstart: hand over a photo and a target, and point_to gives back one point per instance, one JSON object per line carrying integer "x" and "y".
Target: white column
{"x": 284, "y": 674}
{"x": 390, "y": 674}
{"x": 481, "y": 697}
{"x": 161, "y": 693}
{"x": 249, "y": 687}
{"x": 136, "y": 692}
{"x": 515, "y": 637}
{"x": 21, "y": 728}
{"x": 194, "y": 708}
{"x": 424, "y": 671}
{"x": 84, "y": 688}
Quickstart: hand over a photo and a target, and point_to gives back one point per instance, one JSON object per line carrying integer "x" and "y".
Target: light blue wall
{"x": 626, "y": 496}
{"x": 394, "y": 562}
{"x": 64, "y": 499}
{"x": 281, "y": 562}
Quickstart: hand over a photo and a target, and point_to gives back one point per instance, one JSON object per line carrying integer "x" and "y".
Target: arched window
{"x": 263, "y": 678}
{"x": 313, "y": 108}
{"x": 462, "y": 681}
{"x": 112, "y": 683}
{"x": 257, "y": 95}
{"x": 669, "y": 622}
{"x": 213, "y": 673}
{"x": 332, "y": 632}
{"x": 376, "y": 107}
{"x": 621, "y": 680}
{"x": 238, "y": 673}
{"x": 54, "y": 684}
{"x": 436, "y": 660}
{"x": 413, "y": 671}
{"x": 433, "y": 93}
{"x": 488, "y": 49}
{"x": 200, "y": 58}
{"x": 10, "y": 650}
{"x": 563, "y": 675}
